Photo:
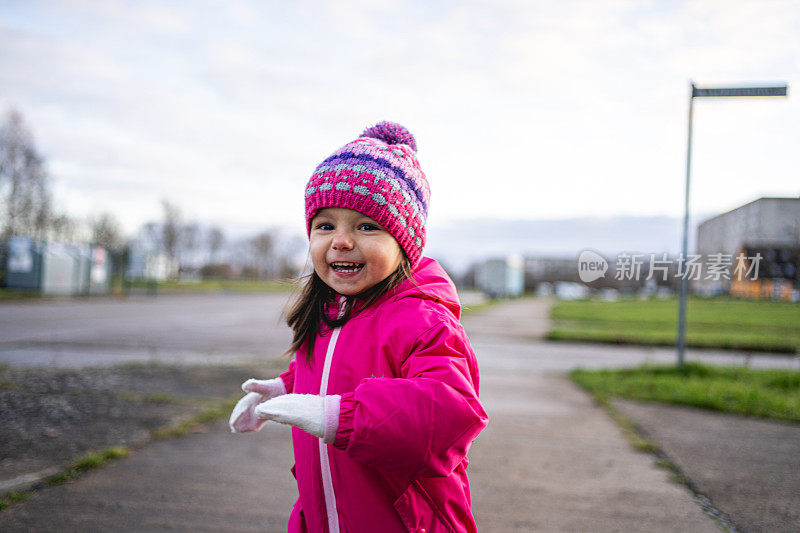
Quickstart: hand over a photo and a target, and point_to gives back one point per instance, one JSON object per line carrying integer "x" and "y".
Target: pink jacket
{"x": 409, "y": 411}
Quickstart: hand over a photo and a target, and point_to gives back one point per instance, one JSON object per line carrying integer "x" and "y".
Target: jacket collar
{"x": 430, "y": 282}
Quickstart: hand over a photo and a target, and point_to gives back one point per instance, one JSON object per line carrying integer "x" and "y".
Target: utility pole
{"x": 717, "y": 92}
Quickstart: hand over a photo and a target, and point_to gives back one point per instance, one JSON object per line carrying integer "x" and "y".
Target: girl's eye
{"x": 325, "y": 226}
{"x": 369, "y": 227}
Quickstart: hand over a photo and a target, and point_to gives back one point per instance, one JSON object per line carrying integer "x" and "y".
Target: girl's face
{"x": 350, "y": 251}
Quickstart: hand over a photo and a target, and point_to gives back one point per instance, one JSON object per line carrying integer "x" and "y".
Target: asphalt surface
{"x": 213, "y": 481}
{"x": 244, "y": 328}
{"x": 549, "y": 461}
{"x": 749, "y": 468}
{"x": 214, "y": 329}
{"x": 49, "y": 416}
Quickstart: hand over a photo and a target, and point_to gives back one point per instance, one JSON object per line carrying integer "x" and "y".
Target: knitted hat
{"x": 378, "y": 175}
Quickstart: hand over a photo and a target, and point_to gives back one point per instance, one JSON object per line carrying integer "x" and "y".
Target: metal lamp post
{"x": 696, "y": 92}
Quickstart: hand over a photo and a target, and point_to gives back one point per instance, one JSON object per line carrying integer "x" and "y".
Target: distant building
{"x": 570, "y": 290}
{"x": 54, "y": 268}
{"x": 146, "y": 261}
{"x": 540, "y": 269}
{"x": 543, "y": 273}
{"x": 502, "y": 278}
{"x": 767, "y": 226}
{"x": 24, "y": 263}
{"x": 151, "y": 265}
{"x": 777, "y": 277}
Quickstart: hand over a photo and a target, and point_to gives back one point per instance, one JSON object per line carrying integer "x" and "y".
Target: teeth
{"x": 346, "y": 267}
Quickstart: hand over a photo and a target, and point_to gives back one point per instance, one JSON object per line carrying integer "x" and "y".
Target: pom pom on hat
{"x": 391, "y": 133}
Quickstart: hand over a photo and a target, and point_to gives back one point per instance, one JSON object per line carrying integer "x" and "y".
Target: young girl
{"x": 383, "y": 388}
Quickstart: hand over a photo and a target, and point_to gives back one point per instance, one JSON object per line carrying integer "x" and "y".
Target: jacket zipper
{"x": 324, "y": 460}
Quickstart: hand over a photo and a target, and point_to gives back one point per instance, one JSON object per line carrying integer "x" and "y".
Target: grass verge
{"x": 157, "y": 397}
{"x": 211, "y": 286}
{"x": 87, "y": 462}
{"x": 213, "y": 411}
{"x": 83, "y": 464}
{"x": 477, "y": 308}
{"x": 11, "y": 295}
{"x": 164, "y": 287}
{"x": 14, "y": 497}
{"x": 766, "y": 393}
{"x": 722, "y": 323}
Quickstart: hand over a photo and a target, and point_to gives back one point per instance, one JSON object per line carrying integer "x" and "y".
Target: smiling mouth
{"x": 345, "y": 268}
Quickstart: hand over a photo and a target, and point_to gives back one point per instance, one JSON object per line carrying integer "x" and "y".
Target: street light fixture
{"x": 713, "y": 92}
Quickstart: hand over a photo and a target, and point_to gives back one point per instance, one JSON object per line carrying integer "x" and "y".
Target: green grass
{"x": 18, "y": 294}
{"x": 767, "y": 393}
{"x": 172, "y": 287}
{"x": 87, "y": 462}
{"x": 724, "y": 323}
{"x": 78, "y": 467}
{"x": 214, "y": 410}
{"x": 205, "y": 286}
{"x": 631, "y": 432}
{"x": 479, "y": 307}
{"x": 159, "y": 397}
{"x": 14, "y": 497}
{"x": 97, "y": 459}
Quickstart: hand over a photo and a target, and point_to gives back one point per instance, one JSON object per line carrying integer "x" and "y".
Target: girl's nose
{"x": 342, "y": 241}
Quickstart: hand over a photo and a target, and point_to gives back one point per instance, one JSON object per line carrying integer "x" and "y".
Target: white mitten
{"x": 269, "y": 388}
{"x": 243, "y": 418}
{"x": 318, "y": 415}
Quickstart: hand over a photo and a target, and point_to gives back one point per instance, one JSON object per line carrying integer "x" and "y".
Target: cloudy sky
{"x": 521, "y": 109}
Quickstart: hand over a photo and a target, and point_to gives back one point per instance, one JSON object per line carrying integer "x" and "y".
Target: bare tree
{"x": 63, "y": 228}
{"x": 262, "y": 248}
{"x": 24, "y": 184}
{"x": 152, "y": 231}
{"x": 215, "y": 240}
{"x": 189, "y": 242}
{"x": 43, "y": 216}
{"x": 106, "y": 231}
{"x": 171, "y": 229}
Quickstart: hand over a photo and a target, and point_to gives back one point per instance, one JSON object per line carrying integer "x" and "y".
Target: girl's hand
{"x": 243, "y": 418}
{"x": 317, "y": 415}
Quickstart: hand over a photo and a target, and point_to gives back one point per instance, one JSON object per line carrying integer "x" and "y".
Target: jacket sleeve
{"x": 288, "y": 377}
{"x": 423, "y": 423}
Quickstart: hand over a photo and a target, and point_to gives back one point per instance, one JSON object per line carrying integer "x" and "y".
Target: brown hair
{"x": 309, "y": 310}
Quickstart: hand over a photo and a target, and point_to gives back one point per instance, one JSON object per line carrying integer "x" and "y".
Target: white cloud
{"x": 520, "y": 108}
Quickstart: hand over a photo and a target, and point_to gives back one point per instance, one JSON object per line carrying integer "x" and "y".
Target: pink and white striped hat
{"x": 378, "y": 175}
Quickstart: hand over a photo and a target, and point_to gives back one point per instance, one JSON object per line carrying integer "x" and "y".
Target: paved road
{"x": 213, "y": 482}
{"x": 231, "y": 328}
{"x": 175, "y": 328}
{"x": 507, "y": 337}
{"x": 549, "y": 460}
